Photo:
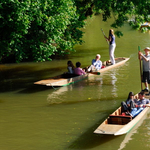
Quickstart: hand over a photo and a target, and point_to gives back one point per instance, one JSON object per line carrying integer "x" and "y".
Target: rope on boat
{"x": 51, "y": 86}
{"x": 102, "y": 131}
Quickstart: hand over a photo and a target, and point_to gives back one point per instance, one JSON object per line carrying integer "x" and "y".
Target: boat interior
{"x": 118, "y": 118}
{"x": 108, "y": 62}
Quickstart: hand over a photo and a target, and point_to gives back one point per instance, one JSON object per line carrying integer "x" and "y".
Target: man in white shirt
{"x": 96, "y": 64}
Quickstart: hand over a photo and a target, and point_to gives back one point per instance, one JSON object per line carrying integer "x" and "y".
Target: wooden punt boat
{"x": 61, "y": 81}
{"x": 117, "y": 124}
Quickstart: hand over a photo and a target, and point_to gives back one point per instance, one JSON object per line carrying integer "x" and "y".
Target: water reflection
{"x": 88, "y": 140}
{"x": 55, "y": 97}
{"x": 83, "y": 91}
{"x": 108, "y": 80}
{"x": 114, "y": 80}
{"x": 128, "y": 136}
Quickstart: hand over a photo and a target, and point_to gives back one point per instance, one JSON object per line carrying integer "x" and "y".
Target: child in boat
{"x": 79, "y": 71}
{"x": 96, "y": 64}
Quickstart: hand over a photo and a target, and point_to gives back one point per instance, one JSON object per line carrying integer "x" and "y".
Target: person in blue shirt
{"x": 96, "y": 64}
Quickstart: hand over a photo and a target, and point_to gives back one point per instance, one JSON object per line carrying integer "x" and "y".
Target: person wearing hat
{"x": 146, "y": 67}
{"x": 96, "y": 64}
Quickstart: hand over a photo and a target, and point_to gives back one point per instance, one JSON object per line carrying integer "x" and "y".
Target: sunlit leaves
{"x": 36, "y": 29}
{"x": 121, "y": 10}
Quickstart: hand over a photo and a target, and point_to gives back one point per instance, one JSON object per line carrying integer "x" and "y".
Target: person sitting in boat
{"x": 143, "y": 102}
{"x": 140, "y": 104}
{"x": 129, "y": 104}
{"x": 96, "y": 64}
{"x": 70, "y": 67}
{"x": 131, "y": 101}
{"x": 79, "y": 71}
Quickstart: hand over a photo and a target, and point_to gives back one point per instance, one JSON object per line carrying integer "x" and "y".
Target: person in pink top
{"x": 78, "y": 70}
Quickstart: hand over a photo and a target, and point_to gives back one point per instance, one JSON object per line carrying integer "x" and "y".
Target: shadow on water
{"x": 90, "y": 140}
{"x": 23, "y": 77}
{"x": 34, "y": 88}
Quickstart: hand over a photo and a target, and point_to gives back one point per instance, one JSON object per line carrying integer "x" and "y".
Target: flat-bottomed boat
{"x": 118, "y": 124}
{"x": 62, "y": 81}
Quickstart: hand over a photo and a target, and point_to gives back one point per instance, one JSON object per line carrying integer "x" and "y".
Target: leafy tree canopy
{"x": 37, "y": 29}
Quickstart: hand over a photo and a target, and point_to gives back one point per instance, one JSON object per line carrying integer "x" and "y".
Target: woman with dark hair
{"x": 70, "y": 67}
{"x": 129, "y": 104}
{"x": 112, "y": 45}
{"x": 131, "y": 101}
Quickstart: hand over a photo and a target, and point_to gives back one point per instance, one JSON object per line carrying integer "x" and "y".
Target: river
{"x": 44, "y": 118}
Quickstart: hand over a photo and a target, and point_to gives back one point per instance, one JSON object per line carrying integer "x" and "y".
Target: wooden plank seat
{"x": 119, "y": 119}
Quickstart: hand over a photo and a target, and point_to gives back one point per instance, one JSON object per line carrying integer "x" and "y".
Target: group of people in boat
{"x": 96, "y": 63}
{"x": 72, "y": 70}
{"x": 95, "y": 66}
{"x": 135, "y": 104}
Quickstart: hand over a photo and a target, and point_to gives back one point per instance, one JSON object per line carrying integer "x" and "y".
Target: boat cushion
{"x": 119, "y": 119}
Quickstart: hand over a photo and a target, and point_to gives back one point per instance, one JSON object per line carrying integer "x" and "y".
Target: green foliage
{"x": 120, "y": 10}
{"x": 144, "y": 29}
{"x": 118, "y": 33}
{"x": 37, "y": 29}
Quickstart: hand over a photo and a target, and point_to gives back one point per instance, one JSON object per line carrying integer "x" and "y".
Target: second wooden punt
{"x": 117, "y": 124}
{"x": 61, "y": 81}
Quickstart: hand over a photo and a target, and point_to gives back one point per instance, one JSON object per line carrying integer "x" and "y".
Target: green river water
{"x": 43, "y": 118}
